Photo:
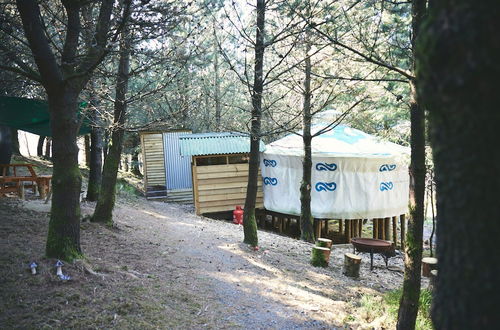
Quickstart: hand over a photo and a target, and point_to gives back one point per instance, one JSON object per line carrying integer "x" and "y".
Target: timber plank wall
{"x": 154, "y": 159}
{"x": 219, "y": 188}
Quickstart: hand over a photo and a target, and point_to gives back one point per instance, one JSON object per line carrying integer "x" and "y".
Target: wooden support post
{"x": 402, "y": 218}
{"x": 317, "y": 228}
{"x": 341, "y": 225}
{"x": 387, "y": 228}
{"x": 394, "y": 231}
{"x": 280, "y": 224}
{"x": 381, "y": 228}
{"x": 348, "y": 231}
{"x": 360, "y": 227}
{"x": 273, "y": 222}
{"x": 352, "y": 264}
{"x": 375, "y": 228}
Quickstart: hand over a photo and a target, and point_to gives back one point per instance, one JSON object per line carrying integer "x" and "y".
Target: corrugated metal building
{"x": 167, "y": 174}
{"x": 219, "y": 170}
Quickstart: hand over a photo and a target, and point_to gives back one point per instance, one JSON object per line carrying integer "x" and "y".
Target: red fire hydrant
{"x": 238, "y": 216}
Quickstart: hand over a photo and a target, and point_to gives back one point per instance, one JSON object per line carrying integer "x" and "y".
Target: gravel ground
{"x": 164, "y": 267}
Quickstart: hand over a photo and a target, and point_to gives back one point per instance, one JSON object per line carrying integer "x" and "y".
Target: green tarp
{"x": 29, "y": 115}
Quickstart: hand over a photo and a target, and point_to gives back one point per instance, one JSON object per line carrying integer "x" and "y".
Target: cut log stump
{"x": 324, "y": 242}
{"x": 433, "y": 279}
{"x": 428, "y": 264}
{"x": 352, "y": 264}
{"x": 320, "y": 256}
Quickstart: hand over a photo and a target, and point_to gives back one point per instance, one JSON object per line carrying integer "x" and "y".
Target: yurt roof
{"x": 342, "y": 141}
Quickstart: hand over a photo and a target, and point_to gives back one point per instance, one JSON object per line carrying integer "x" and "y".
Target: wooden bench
{"x": 12, "y": 180}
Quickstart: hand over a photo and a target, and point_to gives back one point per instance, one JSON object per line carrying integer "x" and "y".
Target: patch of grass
{"x": 388, "y": 305}
{"x": 126, "y": 189}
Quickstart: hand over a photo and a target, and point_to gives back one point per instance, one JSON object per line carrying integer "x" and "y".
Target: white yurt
{"x": 355, "y": 175}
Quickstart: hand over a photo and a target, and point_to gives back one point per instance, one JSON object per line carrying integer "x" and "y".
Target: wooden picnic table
{"x": 13, "y": 178}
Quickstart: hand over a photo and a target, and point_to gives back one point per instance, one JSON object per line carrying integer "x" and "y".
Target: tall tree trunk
{"x": 217, "y": 84}
{"x": 15, "y": 141}
{"x": 96, "y": 153}
{"x": 135, "y": 163}
{"x": 87, "y": 149}
{"x": 5, "y": 144}
{"x": 39, "y": 147}
{"x": 408, "y": 306}
{"x": 63, "y": 240}
{"x": 249, "y": 222}
{"x": 458, "y": 68}
{"x": 48, "y": 148}
{"x": 306, "y": 218}
{"x": 106, "y": 201}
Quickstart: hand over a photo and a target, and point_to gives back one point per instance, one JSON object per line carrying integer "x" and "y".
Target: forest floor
{"x": 164, "y": 267}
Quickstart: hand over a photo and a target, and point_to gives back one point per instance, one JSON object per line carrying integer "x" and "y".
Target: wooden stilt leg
{"x": 341, "y": 226}
{"x": 280, "y": 224}
{"x": 403, "y": 230}
{"x": 375, "y": 228}
{"x": 360, "y": 228}
{"x": 382, "y": 227}
{"x": 394, "y": 231}
{"x": 348, "y": 230}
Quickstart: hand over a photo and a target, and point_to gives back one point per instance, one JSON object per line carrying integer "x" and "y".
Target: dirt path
{"x": 164, "y": 267}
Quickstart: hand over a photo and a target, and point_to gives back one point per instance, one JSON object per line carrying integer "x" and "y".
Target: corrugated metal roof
{"x": 219, "y": 143}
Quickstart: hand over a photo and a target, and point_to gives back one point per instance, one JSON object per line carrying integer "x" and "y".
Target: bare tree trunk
{"x": 96, "y": 154}
{"x": 39, "y": 147}
{"x": 87, "y": 149}
{"x": 217, "y": 85}
{"x": 458, "y": 69}
{"x": 15, "y": 141}
{"x": 408, "y": 306}
{"x": 63, "y": 240}
{"x": 306, "y": 218}
{"x": 106, "y": 201}
{"x": 249, "y": 222}
{"x": 5, "y": 144}
{"x": 48, "y": 148}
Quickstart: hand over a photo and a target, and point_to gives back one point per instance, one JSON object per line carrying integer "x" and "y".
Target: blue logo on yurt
{"x": 326, "y": 186}
{"x": 270, "y": 181}
{"x": 326, "y": 167}
{"x": 386, "y": 186}
{"x": 387, "y": 167}
{"x": 270, "y": 162}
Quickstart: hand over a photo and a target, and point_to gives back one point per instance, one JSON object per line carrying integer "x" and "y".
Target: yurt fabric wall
{"x": 354, "y": 175}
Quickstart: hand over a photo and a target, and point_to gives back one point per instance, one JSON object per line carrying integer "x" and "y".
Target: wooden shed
{"x": 219, "y": 170}
{"x": 167, "y": 174}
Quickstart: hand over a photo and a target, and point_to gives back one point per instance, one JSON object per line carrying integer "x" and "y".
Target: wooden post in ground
{"x": 280, "y": 224}
{"x": 273, "y": 222}
{"x": 387, "y": 228}
{"x": 352, "y": 264}
{"x": 381, "y": 228}
{"x": 394, "y": 231}
{"x": 360, "y": 228}
{"x": 348, "y": 231}
{"x": 341, "y": 226}
{"x": 375, "y": 228}
{"x": 402, "y": 218}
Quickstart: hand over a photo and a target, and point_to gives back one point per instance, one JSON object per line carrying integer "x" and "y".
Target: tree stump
{"x": 352, "y": 263}
{"x": 320, "y": 256}
{"x": 433, "y": 279}
{"x": 428, "y": 264}
{"x": 324, "y": 242}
